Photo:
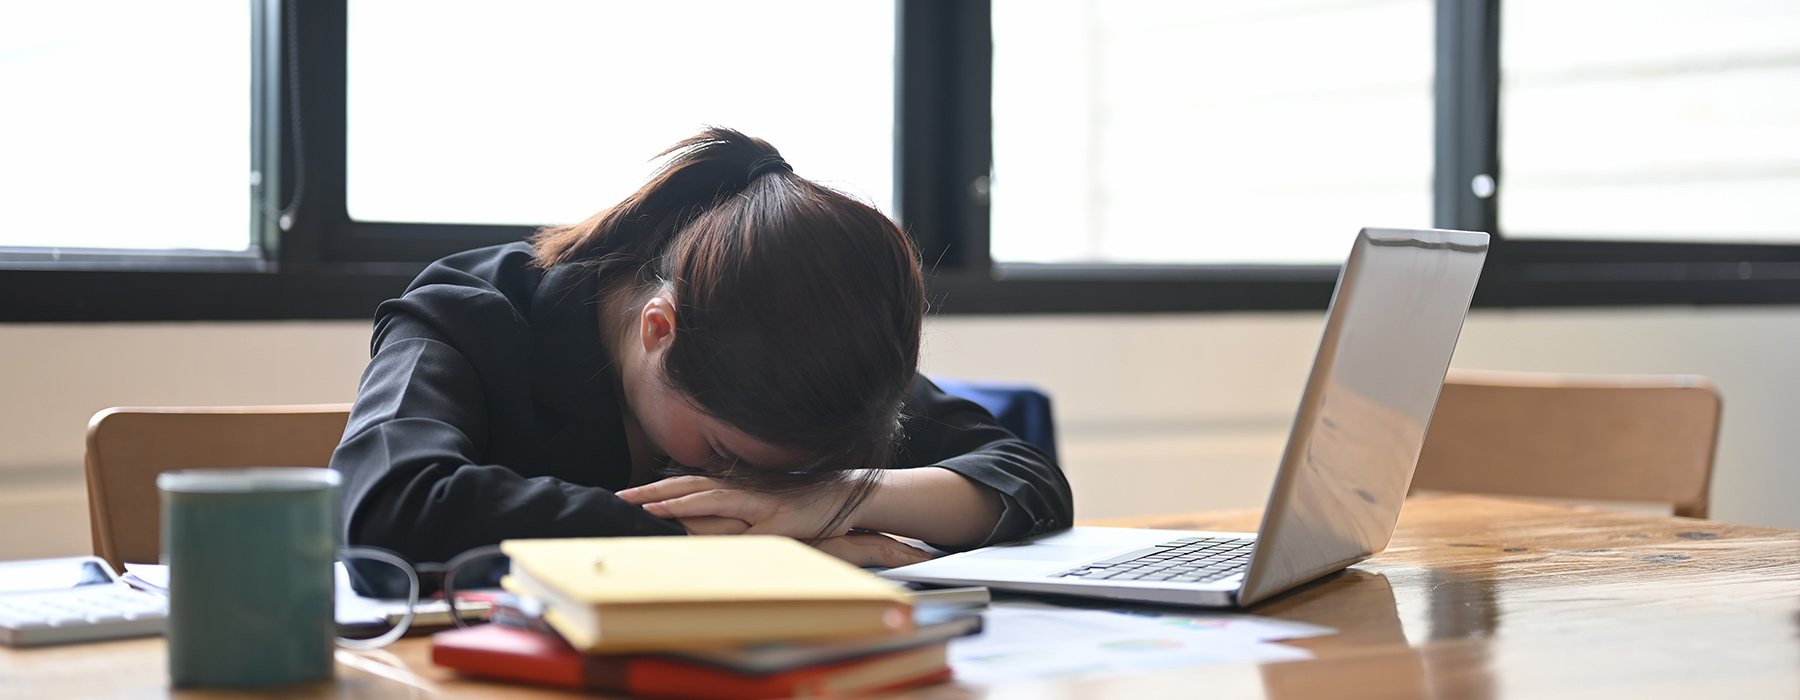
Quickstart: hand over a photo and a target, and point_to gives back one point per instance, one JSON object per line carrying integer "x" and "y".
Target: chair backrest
{"x": 1020, "y": 408}
{"x": 128, "y": 447}
{"x": 1583, "y": 437}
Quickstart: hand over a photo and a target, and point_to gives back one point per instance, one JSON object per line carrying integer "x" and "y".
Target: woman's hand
{"x": 802, "y": 515}
{"x": 864, "y": 548}
{"x": 711, "y": 525}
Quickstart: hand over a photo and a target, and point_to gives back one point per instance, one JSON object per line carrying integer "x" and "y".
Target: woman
{"x": 731, "y": 349}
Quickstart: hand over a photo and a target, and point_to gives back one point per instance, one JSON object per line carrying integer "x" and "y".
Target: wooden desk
{"x": 1476, "y": 598}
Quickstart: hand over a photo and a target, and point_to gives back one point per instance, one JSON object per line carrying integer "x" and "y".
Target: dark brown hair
{"x": 798, "y": 308}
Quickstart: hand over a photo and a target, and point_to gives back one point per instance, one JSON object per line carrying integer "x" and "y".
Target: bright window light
{"x": 545, "y": 111}
{"x": 1650, "y": 120}
{"x": 126, "y": 125}
{"x": 1171, "y": 131}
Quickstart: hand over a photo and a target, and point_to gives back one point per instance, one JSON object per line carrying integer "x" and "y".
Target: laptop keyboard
{"x": 1189, "y": 559}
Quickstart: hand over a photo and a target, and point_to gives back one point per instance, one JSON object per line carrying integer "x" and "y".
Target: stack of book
{"x": 742, "y": 617}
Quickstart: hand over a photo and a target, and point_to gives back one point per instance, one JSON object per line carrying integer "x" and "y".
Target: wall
{"x": 1156, "y": 413}
{"x": 54, "y": 377}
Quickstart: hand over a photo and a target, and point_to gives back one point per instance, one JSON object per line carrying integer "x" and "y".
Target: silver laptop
{"x": 1389, "y": 334}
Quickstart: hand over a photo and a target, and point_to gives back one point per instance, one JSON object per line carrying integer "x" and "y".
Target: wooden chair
{"x": 128, "y": 447}
{"x": 1579, "y": 437}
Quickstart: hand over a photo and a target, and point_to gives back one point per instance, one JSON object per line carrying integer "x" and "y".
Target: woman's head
{"x": 782, "y": 309}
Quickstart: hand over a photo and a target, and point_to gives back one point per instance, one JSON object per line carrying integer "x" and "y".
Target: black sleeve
{"x": 412, "y": 461}
{"x": 956, "y": 434}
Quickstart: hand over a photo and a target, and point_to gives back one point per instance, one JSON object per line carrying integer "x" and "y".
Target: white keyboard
{"x": 78, "y": 599}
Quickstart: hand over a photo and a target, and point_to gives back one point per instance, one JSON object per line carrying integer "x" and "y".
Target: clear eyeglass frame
{"x": 451, "y": 570}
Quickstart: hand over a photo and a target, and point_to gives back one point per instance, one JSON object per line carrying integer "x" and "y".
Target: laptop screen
{"x": 1389, "y": 335}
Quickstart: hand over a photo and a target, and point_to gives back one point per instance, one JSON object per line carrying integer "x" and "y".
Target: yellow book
{"x": 624, "y": 594}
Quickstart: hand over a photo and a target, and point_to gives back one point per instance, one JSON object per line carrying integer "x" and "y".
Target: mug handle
{"x": 412, "y": 597}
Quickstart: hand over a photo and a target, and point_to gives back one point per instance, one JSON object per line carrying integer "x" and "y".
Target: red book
{"x": 512, "y": 654}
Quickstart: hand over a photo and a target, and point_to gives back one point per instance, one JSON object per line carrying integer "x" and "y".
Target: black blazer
{"x": 487, "y": 412}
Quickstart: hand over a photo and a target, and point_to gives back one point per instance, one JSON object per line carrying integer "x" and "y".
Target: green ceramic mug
{"x": 250, "y": 555}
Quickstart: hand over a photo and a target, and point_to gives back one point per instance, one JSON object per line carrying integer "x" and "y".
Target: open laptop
{"x": 1389, "y": 334}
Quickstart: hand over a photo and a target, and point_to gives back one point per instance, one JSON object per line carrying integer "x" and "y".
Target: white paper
{"x": 1253, "y": 627}
{"x": 351, "y": 608}
{"x": 1027, "y": 640}
{"x": 354, "y": 609}
{"x": 150, "y": 577}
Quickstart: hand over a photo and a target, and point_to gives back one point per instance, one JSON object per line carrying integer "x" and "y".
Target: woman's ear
{"x": 656, "y": 324}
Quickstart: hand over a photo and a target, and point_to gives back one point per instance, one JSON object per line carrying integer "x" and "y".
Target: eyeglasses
{"x": 467, "y": 584}
{"x": 482, "y": 560}
{"x": 352, "y": 558}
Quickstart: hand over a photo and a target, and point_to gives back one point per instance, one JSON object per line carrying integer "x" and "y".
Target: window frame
{"x": 1566, "y": 273}
{"x": 327, "y": 266}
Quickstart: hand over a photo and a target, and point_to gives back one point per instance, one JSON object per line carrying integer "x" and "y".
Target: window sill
{"x": 64, "y": 295}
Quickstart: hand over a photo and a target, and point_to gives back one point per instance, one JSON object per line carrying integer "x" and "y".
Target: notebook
{"x": 1389, "y": 333}
{"x": 627, "y": 594}
{"x": 512, "y": 654}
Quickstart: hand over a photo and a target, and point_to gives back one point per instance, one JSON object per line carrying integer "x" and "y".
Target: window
{"x": 1168, "y": 131}
{"x": 1683, "y": 125}
{"x": 1050, "y": 157}
{"x": 128, "y": 127}
{"x": 545, "y": 111}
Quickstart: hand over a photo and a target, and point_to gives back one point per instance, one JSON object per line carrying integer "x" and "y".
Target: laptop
{"x": 1391, "y": 328}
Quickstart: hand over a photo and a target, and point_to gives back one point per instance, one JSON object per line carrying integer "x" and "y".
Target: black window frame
{"x": 327, "y": 266}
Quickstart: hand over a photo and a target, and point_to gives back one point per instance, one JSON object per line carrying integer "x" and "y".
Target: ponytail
{"x": 696, "y": 173}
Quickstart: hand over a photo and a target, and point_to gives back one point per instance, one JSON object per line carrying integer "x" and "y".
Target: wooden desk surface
{"x": 1475, "y": 598}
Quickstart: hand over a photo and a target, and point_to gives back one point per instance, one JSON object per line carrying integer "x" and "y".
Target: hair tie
{"x": 765, "y": 164}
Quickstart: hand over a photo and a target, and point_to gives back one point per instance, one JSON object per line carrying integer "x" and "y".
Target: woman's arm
{"x": 949, "y": 434}
{"x": 962, "y": 481}
{"x": 932, "y": 504}
{"x": 415, "y": 457}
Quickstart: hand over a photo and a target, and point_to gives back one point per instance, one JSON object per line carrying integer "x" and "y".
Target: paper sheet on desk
{"x": 1256, "y": 627}
{"x": 1022, "y": 640}
{"x": 352, "y": 609}
{"x": 147, "y": 577}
